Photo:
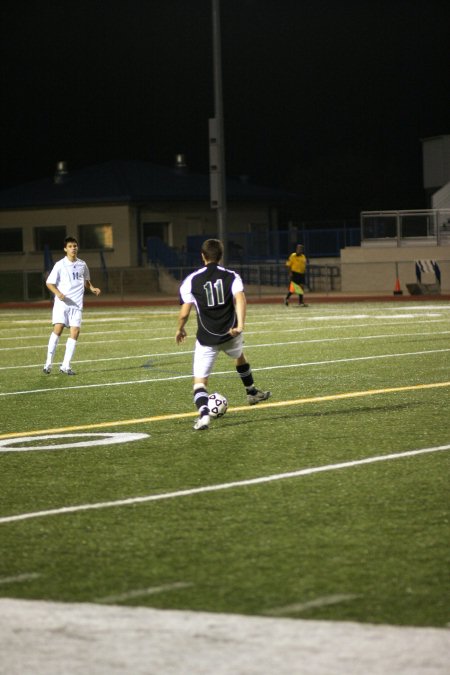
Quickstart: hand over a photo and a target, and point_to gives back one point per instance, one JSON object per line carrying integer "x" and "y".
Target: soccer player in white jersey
{"x": 67, "y": 281}
{"x": 219, "y": 299}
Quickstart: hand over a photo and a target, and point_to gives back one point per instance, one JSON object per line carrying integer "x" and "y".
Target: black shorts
{"x": 298, "y": 278}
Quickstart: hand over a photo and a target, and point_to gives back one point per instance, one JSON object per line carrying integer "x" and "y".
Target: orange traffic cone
{"x": 397, "y": 289}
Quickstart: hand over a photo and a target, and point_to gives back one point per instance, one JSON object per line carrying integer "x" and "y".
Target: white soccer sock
{"x": 70, "y": 348}
{"x": 51, "y": 349}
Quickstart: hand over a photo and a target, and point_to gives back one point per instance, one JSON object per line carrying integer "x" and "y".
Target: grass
{"x": 367, "y": 542}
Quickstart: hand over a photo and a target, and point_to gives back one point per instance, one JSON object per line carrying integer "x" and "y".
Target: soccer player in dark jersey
{"x": 219, "y": 299}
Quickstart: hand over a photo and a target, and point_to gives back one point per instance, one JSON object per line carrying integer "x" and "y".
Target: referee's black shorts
{"x": 298, "y": 278}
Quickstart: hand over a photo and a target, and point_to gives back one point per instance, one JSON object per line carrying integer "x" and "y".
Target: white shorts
{"x": 68, "y": 315}
{"x": 204, "y": 356}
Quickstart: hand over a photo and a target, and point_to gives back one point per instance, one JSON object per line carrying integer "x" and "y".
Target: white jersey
{"x": 69, "y": 278}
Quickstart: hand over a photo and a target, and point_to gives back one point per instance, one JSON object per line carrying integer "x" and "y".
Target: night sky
{"x": 327, "y": 98}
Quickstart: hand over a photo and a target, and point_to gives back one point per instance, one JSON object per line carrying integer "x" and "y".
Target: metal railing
{"x": 262, "y": 279}
{"x": 277, "y": 245}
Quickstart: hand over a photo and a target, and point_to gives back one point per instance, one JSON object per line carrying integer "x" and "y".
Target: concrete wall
{"x": 436, "y": 161}
{"x": 375, "y": 269}
{"x": 441, "y": 199}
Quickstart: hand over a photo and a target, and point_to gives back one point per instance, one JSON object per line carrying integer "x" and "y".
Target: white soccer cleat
{"x": 202, "y": 424}
{"x": 66, "y": 371}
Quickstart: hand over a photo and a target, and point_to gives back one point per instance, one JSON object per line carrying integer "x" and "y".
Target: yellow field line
{"x": 272, "y": 404}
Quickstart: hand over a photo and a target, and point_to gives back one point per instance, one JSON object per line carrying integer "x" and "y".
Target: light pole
{"x": 216, "y": 137}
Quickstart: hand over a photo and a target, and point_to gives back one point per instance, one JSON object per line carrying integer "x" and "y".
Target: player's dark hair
{"x": 70, "y": 240}
{"x": 212, "y": 249}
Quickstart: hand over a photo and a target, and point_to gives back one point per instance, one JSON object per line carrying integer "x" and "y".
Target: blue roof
{"x": 124, "y": 181}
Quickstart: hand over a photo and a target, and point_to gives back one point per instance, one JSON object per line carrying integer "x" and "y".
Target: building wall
{"x": 118, "y": 216}
{"x": 184, "y": 219}
{"x": 188, "y": 219}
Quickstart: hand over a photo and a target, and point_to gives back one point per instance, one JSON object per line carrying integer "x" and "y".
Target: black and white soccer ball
{"x": 217, "y": 405}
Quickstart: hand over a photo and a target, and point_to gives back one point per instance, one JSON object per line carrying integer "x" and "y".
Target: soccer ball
{"x": 217, "y": 405}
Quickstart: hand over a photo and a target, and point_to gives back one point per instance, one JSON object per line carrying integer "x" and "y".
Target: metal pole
{"x": 218, "y": 111}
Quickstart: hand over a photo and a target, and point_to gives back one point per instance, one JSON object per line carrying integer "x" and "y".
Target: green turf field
{"x": 350, "y": 517}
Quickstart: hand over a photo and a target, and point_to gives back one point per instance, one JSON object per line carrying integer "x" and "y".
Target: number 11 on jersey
{"x": 214, "y": 293}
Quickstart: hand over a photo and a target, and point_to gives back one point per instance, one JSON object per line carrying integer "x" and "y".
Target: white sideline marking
{"x": 223, "y": 372}
{"x": 141, "y": 592}
{"x": 312, "y": 604}
{"x": 220, "y": 486}
{"x": 18, "y": 578}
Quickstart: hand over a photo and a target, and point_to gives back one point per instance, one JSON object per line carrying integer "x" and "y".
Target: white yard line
{"x": 143, "y": 592}
{"x": 382, "y": 336}
{"x": 220, "y": 372}
{"x": 87, "y": 342}
{"x": 19, "y": 578}
{"x": 324, "y": 601}
{"x": 135, "y": 357}
{"x": 221, "y": 486}
{"x": 376, "y": 321}
{"x": 121, "y": 331}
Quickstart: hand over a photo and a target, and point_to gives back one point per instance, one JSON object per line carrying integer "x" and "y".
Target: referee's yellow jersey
{"x": 296, "y": 263}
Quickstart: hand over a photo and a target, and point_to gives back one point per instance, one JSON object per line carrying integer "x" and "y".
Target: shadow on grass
{"x": 231, "y": 420}
{"x": 328, "y": 413}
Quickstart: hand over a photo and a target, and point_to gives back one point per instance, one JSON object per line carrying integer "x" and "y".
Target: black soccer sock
{"x": 201, "y": 398}
{"x": 245, "y": 373}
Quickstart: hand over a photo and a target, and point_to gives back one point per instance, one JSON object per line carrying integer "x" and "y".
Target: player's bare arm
{"x": 93, "y": 289}
{"x": 241, "y": 310}
{"x": 183, "y": 317}
{"x": 52, "y": 288}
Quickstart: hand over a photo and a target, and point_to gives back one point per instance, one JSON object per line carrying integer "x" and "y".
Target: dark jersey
{"x": 212, "y": 289}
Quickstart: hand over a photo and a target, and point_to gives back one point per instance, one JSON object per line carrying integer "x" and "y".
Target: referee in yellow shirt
{"x": 296, "y": 262}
